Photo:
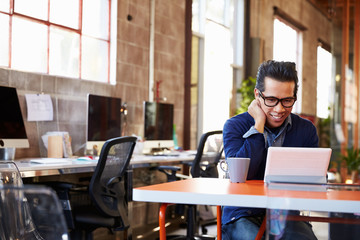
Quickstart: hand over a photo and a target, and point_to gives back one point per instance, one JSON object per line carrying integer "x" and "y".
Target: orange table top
{"x": 213, "y": 191}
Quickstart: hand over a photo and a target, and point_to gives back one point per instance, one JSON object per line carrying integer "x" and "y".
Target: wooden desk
{"x": 28, "y": 169}
{"x": 212, "y": 191}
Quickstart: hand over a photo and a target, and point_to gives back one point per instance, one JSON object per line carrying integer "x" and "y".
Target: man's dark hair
{"x": 280, "y": 71}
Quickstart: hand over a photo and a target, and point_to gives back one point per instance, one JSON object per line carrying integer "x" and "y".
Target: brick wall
{"x": 132, "y": 80}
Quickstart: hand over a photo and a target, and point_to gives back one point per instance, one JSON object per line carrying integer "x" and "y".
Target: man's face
{"x": 275, "y": 116}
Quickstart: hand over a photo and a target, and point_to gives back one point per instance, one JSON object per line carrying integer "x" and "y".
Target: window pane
{"x": 288, "y": 47}
{"x": 65, "y": 12}
{"x": 285, "y": 42}
{"x": 5, "y": 6}
{"x": 215, "y": 10}
{"x": 324, "y": 66}
{"x": 33, "y": 8}
{"x": 195, "y": 23}
{"x": 64, "y": 53}
{"x": 96, "y": 18}
{"x": 4, "y": 40}
{"x": 94, "y": 59}
{"x": 29, "y": 45}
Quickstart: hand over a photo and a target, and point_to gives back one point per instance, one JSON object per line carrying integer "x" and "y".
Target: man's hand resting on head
{"x": 258, "y": 114}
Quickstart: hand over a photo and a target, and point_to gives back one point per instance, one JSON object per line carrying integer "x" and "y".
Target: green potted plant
{"x": 352, "y": 161}
{"x": 247, "y": 94}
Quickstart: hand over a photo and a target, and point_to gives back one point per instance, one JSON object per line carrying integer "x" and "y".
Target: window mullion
{"x": 11, "y": 7}
{"x": 48, "y": 41}
{"x": 80, "y": 32}
{"x": 10, "y": 31}
{"x": 108, "y": 43}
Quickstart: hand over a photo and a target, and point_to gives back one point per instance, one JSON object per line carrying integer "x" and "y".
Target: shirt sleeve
{"x": 251, "y": 131}
{"x": 241, "y": 139}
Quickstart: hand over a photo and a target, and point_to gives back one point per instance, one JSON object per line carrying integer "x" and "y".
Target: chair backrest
{"x": 26, "y": 211}
{"x": 10, "y": 174}
{"x": 31, "y": 213}
{"x": 208, "y": 154}
{"x": 108, "y": 185}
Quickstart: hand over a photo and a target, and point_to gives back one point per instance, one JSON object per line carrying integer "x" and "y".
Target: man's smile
{"x": 277, "y": 116}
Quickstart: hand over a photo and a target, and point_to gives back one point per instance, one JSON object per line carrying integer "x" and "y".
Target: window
{"x": 69, "y": 38}
{"x": 324, "y": 61}
{"x": 212, "y": 61}
{"x": 287, "y": 46}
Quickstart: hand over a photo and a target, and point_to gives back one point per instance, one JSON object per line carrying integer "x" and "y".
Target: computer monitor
{"x": 158, "y": 126}
{"x": 12, "y": 128}
{"x": 103, "y": 121}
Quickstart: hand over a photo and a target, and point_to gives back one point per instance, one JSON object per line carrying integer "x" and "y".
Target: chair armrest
{"x": 171, "y": 168}
{"x": 170, "y": 172}
{"x": 182, "y": 176}
{"x": 65, "y": 186}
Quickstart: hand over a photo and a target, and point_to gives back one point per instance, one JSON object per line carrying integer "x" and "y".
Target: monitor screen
{"x": 12, "y": 128}
{"x": 158, "y": 125}
{"x": 103, "y": 119}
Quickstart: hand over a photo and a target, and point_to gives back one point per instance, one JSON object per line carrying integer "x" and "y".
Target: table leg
{"x": 218, "y": 222}
{"x": 261, "y": 229}
{"x": 162, "y": 214}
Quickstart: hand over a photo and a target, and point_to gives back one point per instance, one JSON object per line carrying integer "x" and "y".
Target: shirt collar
{"x": 277, "y": 139}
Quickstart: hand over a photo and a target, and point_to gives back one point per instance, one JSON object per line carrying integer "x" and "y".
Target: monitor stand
{"x": 7, "y": 153}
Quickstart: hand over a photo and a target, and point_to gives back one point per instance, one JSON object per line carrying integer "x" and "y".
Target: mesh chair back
{"x": 208, "y": 154}
{"x": 108, "y": 184}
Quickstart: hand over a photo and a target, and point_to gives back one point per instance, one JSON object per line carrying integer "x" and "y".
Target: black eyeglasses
{"x": 273, "y": 101}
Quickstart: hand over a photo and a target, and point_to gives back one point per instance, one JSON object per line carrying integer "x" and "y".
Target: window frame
{"x": 110, "y": 76}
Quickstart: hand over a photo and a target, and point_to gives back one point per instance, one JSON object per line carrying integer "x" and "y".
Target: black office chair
{"x": 108, "y": 190}
{"x": 205, "y": 165}
{"x": 209, "y": 152}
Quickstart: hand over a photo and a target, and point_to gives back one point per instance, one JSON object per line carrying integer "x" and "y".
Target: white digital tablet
{"x": 297, "y": 165}
{"x": 51, "y": 161}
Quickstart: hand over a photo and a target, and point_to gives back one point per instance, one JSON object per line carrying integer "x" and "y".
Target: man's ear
{"x": 256, "y": 93}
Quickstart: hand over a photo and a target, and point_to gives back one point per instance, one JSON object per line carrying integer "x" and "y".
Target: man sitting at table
{"x": 268, "y": 122}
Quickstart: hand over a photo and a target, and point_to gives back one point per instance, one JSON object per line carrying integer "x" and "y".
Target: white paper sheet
{"x": 39, "y": 107}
